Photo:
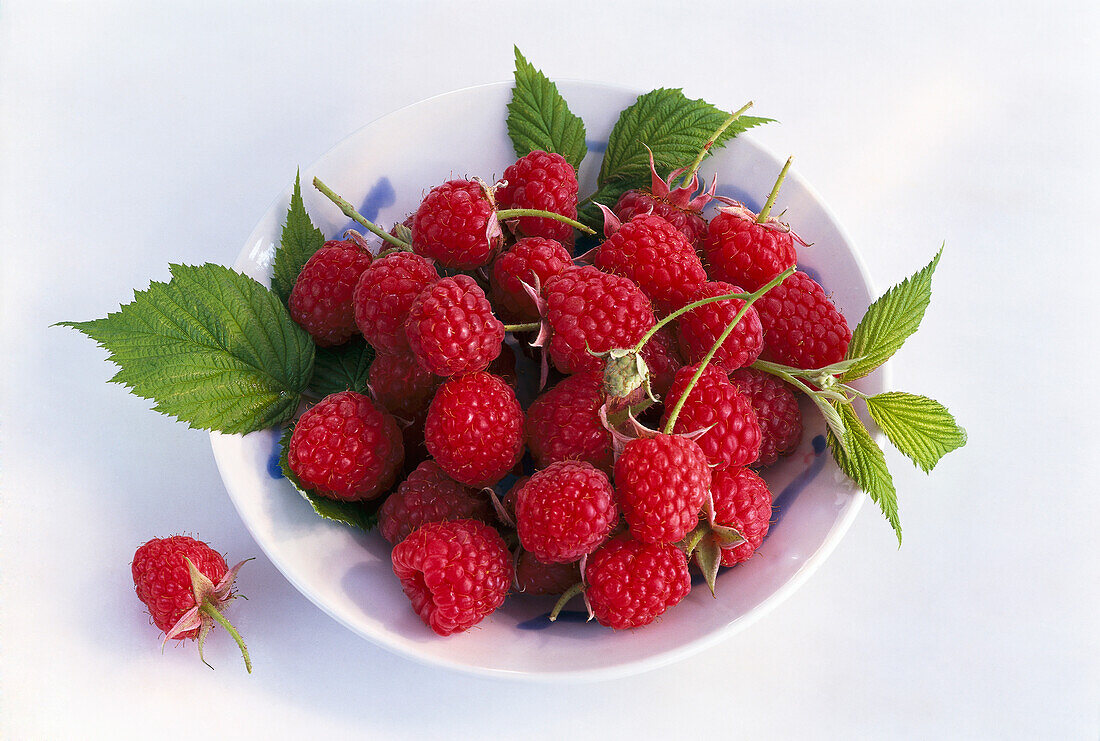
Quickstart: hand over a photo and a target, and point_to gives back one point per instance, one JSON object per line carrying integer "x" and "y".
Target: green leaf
{"x": 357, "y": 514}
{"x": 211, "y": 347}
{"x": 590, "y": 215}
{"x": 890, "y": 320}
{"x": 300, "y": 240}
{"x": 862, "y": 459}
{"x": 919, "y": 427}
{"x": 342, "y": 368}
{"x": 539, "y": 118}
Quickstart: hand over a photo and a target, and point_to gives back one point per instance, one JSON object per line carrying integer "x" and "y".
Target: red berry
{"x": 564, "y": 511}
{"x": 741, "y": 501}
{"x": 384, "y": 294}
{"x": 474, "y": 429}
{"x": 451, "y": 327}
{"x": 741, "y": 251}
{"x": 320, "y": 301}
{"x": 504, "y": 365}
{"x": 688, "y": 222}
{"x": 802, "y": 328}
{"x": 429, "y": 495}
{"x": 532, "y": 260}
{"x": 564, "y": 423}
{"x": 163, "y": 581}
{"x": 346, "y": 447}
{"x": 776, "y": 410}
{"x": 661, "y": 483}
{"x": 590, "y": 311}
{"x": 701, "y": 327}
{"x": 535, "y": 577}
{"x": 543, "y": 181}
{"x": 630, "y": 583}
{"x": 451, "y": 226}
{"x": 401, "y": 384}
{"x": 454, "y": 573}
{"x": 662, "y": 357}
{"x": 714, "y": 404}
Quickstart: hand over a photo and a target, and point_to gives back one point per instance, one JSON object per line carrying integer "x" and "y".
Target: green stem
{"x": 763, "y": 215}
{"x": 683, "y": 310}
{"x": 710, "y": 143}
{"x": 532, "y": 326}
{"x": 619, "y": 417}
{"x": 749, "y": 301}
{"x": 512, "y": 213}
{"x": 569, "y": 594}
{"x": 351, "y": 213}
{"x": 796, "y": 376}
{"x": 212, "y": 611}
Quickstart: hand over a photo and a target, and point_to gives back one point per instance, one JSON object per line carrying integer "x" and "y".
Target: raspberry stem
{"x": 514, "y": 213}
{"x": 749, "y": 301}
{"x": 569, "y": 594}
{"x": 212, "y": 611}
{"x": 351, "y": 213}
{"x": 763, "y": 215}
{"x": 710, "y": 143}
{"x": 530, "y": 327}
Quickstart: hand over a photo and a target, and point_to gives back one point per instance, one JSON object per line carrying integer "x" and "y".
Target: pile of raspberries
{"x": 481, "y": 497}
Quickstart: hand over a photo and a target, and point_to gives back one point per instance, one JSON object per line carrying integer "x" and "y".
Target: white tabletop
{"x": 134, "y": 136}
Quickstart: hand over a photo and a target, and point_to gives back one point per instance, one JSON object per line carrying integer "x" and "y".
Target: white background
{"x": 135, "y": 135}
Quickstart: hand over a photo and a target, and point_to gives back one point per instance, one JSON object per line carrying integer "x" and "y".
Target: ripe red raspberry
{"x": 564, "y": 423}
{"x": 590, "y": 311}
{"x": 474, "y": 429}
{"x": 733, "y": 437}
{"x": 741, "y": 251}
{"x": 451, "y": 327}
{"x": 662, "y": 483}
{"x": 509, "y": 500}
{"x": 535, "y": 577}
{"x": 532, "y": 260}
{"x": 320, "y": 301}
{"x": 776, "y": 410}
{"x": 454, "y": 573}
{"x": 452, "y": 226}
{"x": 700, "y": 328}
{"x": 384, "y": 294}
{"x": 688, "y": 223}
{"x": 655, "y": 255}
{"x": 346, "y": 447}
{"x": 401, "y": 384}
{"x": 662, "y": 357}
{"x": 630, "y": 583}
{"x": 741, "y": 501}
{"x": 564, "y": 511}
{"x": 801, "y": 326}
{"x": 429, "y": 495}
{"x": 543, "y": 181}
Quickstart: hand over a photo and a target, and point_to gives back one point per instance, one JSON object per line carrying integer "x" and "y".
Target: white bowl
{"x": 387, "y": 166}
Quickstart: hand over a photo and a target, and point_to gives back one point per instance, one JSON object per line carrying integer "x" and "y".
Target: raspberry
{"x": 655, "y": 255}
{"x": 535, "y": 577}
{"x": 662, "y": 483}
{"x": 590, "y": 311}
{"x": 564, "y": 511}
{"x": 714, "y": 404}
{"x": 509, "y": 500}
{"x": 688, "y": 223}
{"x": 320, "y": 301}
{"x": 454, "y": 573}
{"x": 452, "y": 223}
{"x": 504, "y": 366}
{"x": 543, "y": 181}
{"x": 701, "y": 327}
{"x": 662, "y": 357}
{"x": 801, "y": 326}
{"x": 429, "y": 495}
{"x": 474, "y": 429}
{"x": 741, "y": 251}
{"x": 630, "y": 583}
{"x": 401, "y": 384}
{"x": 776, "y": 410}
{"x": 741, "y": 501}
{"x": 383, "y": 295}
{"x": 346, "y": 447}
{"x": 564, "y": 423}
{"x": 532, "y": 260}
{"x": 451, "y": 327}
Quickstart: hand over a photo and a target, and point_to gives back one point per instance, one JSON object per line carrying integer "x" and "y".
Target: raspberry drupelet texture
{"x": 543, "y": 181}
{"x": 535, "y": 577}
{"x": 802, "y": 327}
{"x": 455, "y": 573}
{"x": 564, "y": 423}
{"x": 732, "y": 436}
{"x": 777, "y": 413}
{"x": 429, "y": 495}
{"x": 163, "y": 582}
{"x": 741, "y": 501}
{"x": 401, "y": 384}
{"x": 474, "y": 429}
{"x": 740, "y": 251}
{"x": 688, "y": 222}
{"x": 451, "y": 327}
{"x": 661, "y": 483}
{"x": 590, "y": 311}
{"x": 532, "y": 260}
{"x": 701, "y": 327}
{"x": 383, "y": 295}
{"x": 662, "y": 358}
{"x": 630, "y": 583}
{"x": 346, "y": 447}
{"x": 320, "y": 301}
{"x": 452, "y": 226}
{"x": 564, "y": 511}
